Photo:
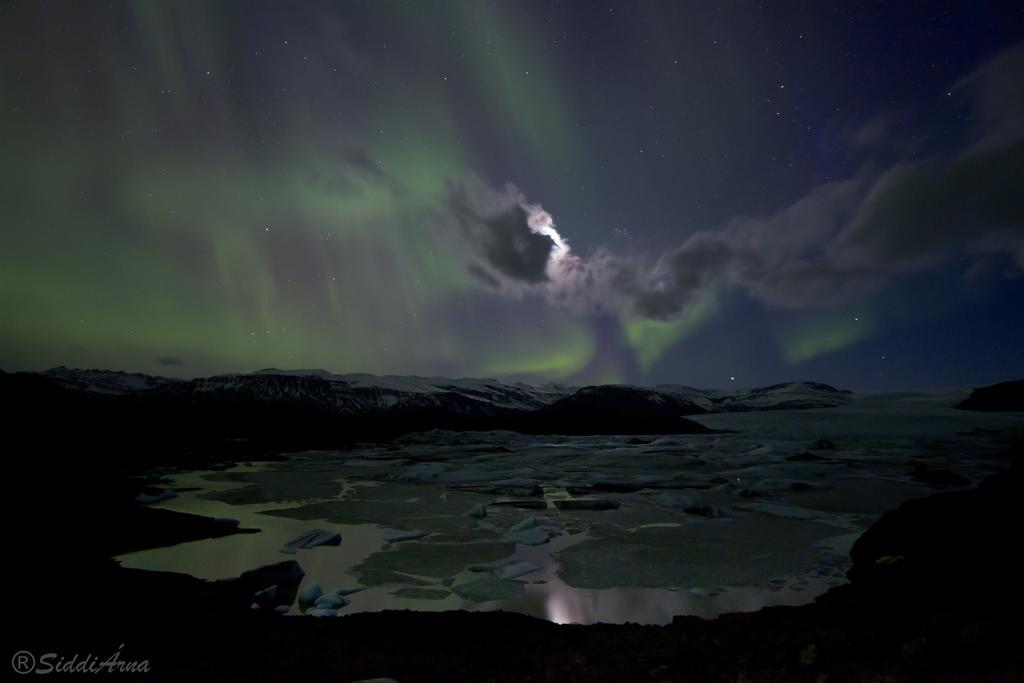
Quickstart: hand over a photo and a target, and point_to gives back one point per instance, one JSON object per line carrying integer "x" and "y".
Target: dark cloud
{"x": 847, "y": 238}
{"x": 171, "y": 362}
{"x": 497, "y": 225}
{"x": 841, "y": 240}
{"x": 917, "y": 215}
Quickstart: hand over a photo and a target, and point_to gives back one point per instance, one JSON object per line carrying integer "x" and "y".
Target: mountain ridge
{"x": 363, "y": 393}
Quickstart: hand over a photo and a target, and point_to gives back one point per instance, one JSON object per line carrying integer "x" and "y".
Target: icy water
{"x": 705, "y": 524}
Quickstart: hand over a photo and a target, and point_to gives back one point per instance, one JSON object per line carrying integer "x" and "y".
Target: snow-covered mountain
{"x": 785, "y": 396}
{"x": 364, "y": 394}
{"x": 110, "y": 382}
{"x": 385, "y": 391}
{"x": 350, "y": 394}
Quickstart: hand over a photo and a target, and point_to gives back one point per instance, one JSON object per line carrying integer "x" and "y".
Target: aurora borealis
{"x": 746, "y": 190}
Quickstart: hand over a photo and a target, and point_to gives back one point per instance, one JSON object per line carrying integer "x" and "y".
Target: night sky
{"x": 714, "y": 194}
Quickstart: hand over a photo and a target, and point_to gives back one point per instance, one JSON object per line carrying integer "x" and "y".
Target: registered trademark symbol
{"x": 23, "y": 662}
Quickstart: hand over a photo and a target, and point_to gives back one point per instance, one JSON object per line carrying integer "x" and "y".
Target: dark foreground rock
{"x": 964, "y": 538}
{"x": 139, "y": 528}
{"x": 1006, "y": 396}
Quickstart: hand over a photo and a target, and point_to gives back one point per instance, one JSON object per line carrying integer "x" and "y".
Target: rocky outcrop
{"x": 949, "y": 546}
{"x": 613, "y": 410}
{"x": 1006, "y": 396}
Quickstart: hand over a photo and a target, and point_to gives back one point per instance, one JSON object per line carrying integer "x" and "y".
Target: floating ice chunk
{"x": 486, "y": 590}
{"x": 268, "y": 594}
{"x": 783, "y": 510}
{"x": 413, "y": 593}
{"x": 312, "y": 539}
{"x": 513, "y": 570}
{"x": 587, "y": 504}
{"x": 398, "y": 535}
{"x": 532, "y": 536}
{"x": 505, "y": 569}
{"x": 310, "y": 593}
{"x": 331, "y": 601}
{"x": 672, "y": 499}
{"x": 528, "y": 523}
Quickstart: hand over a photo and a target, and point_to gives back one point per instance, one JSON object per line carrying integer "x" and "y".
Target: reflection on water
{"x": 546, "y": 595}
{"x": 565, "y": 605}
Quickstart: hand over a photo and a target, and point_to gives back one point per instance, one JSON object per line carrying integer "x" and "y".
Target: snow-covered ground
{"x": 657, "y": 526}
